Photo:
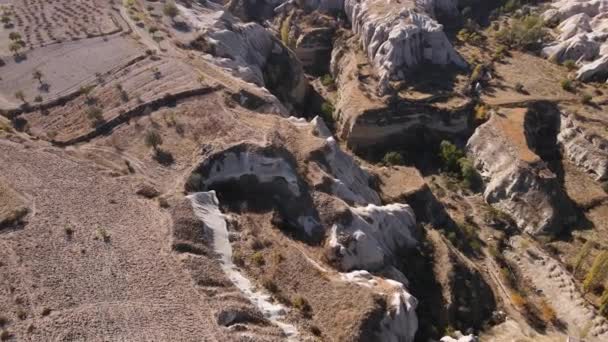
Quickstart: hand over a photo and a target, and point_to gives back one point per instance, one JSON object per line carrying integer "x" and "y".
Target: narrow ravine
{"x": 206, "y": 208}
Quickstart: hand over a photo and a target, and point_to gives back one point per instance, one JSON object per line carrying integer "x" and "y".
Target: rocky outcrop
{"x": 583, "y": 147}
{"x": 582, "y": 36}
{"x": 518, "y": 181}
{"x": 398, "y": 37}
{"x": 367, "y": 121}
{"x": 247, "y": 50}
{"x": 399, "y": 322}
{"x": 372, "y": 237}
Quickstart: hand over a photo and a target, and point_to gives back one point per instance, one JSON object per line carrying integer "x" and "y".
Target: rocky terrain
{"x": 303, "y": 170}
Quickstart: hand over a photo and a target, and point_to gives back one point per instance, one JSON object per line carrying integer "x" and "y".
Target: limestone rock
{"x": 517, "y": 181}
{"x": 585, "y": 148}
{"x": 400, "y": 322}
{"x": 582, "y": 35}
{"x": 373, "y": 236}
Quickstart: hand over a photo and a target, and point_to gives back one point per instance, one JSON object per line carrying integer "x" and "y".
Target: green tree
{"x": 450, "y": 156}
{"x": 14, "y": 36}
{"x": 393, "y": 158}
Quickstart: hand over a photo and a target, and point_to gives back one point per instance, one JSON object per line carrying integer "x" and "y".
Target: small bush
{"x": 102, "y": 235}
{"x": 519, "y": 88}
{"x": 450, "y": 155}
{"x": 269, "y": 285}
{"x": 258, "y": 259}
{"x": 327, "y": 112}
{"x": 526, "y": 33}
{"x": 153, "y": 139}
{"x": 327, "y": 80}
{"x": 300, "y": 303}
{"x": 518, "y": 300}
{"x": 570, "y": 64}
{"x": 482, "y": 114}
{"x": 46, "y": 312}
{"x": 598, "y": 272}
{"x": 194, "y": 182}
{"x": 566, "y": 85}
{"x": 38, "y": 98}
{"x": 393, "y": 158}
{"x": 547, "y": 312}
{"x": 237, "y": 258}
{"x": 586, "y": 99}
{"x": 5, "y": 335}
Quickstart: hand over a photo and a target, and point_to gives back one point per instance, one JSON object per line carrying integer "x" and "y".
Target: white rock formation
{"x": 234, "y": 165}
{"x": 373, "y": 236}
{"x": 584, "y": 148}
{"x": 595, "y": 70}
{"x": 459, "y": 338}
{"x": 516, "y": 180}
{"x": 397, "y": 37}
{"x": 350, "y": 178}
{"x": 559, "y": 288}
{"x": 583, "y": 36}
{"x": 400, "y": 322}
{"x": 244, "y": 49}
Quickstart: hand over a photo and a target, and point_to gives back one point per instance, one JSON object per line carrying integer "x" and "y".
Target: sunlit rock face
{"x": 583, "y": 36}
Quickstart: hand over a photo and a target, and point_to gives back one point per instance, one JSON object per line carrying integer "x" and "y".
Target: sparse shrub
{"x": 566, "y": 85}
{"x": 3, "y": 321}
{"x": 38, "y": 98}
{"x": 95, "y": 114}
{"x": 393, "y": 158}
{"x": 170, "y": 9}
{"x": 315, "y": 330}
{"x": 519, "y": 88}
{"x": 580, "y": 256}
{"x": 237, "y": 258}
{"x": 450, "y": 155}
{"x": 21, "y": 314}
{"x": 598, "y": 272}
{"x": 547, "y": 312}
{"x": 300, "y": 303}
{"x": 153, "y": 139}
{"x": 482, "y": 114}
{"x": 328, "y": 81}
{"x": 605, "y": 186}
{"x": 570, "y": 64}
{"x": 327, "y": 111}
{"x": 5, "y": 335}
{"x": 194, "y": 182}
{"x": 586, "y": 99}
{"x": 604, "y": 303}
{"x": 270, "y": 285}
{"x": 258, "y": 259}
{"x": 14, "y": 36}
{"x": 46, "y": 312}
{"x": 102, "y": 235}
{"x": 526, "y": 33}
{"x": 285, "y": 28}
{"x": 69, "y": 231}
{"x": 20, "y": 95}
{"x": 518, "y": 300}
{"x": 477, "y": 73}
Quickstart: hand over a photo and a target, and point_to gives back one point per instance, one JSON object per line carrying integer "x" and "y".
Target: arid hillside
{"x": 311, "y": 170}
